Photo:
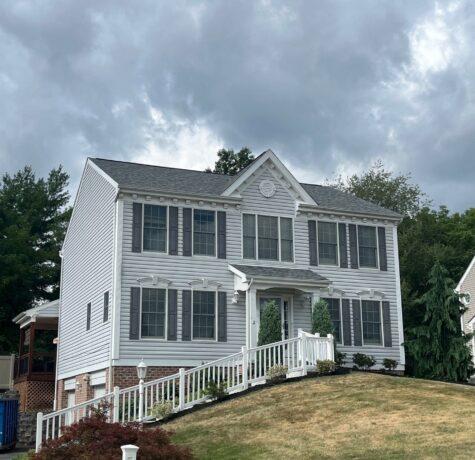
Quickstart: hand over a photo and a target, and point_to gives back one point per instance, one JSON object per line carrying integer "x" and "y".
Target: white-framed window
{"x": 204, "y": 315}
{"x": 334, "y": 308}
{"x": 367, "y": 246}
{"x": 267, "y": 237}
{"x": 153, "y": 315}
{"x": 155, "y": 228}
{"x": 372, "y": 322}
{"x": 204, "y": 232}
{"x": 327, "y": 243}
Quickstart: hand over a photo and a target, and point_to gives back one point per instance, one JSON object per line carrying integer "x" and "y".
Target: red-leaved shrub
{"x": 93, "y": 438}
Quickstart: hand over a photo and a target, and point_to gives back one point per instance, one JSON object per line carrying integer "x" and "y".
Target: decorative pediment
{"x": 154, "y": 280}
{"x": 332, "y": 291}
{"x": 372, "y": 294}
{"x": 204, "y": 283}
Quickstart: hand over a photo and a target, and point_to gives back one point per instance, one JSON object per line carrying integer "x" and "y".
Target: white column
{"x": 129, "y": 452}
{"x": 115, "y": 409}
{"x": 245, "y": 366}
{"x": 253, "y": 318}
{"x": 181, "y": 389}
{"x": 140, "y": 400}
{"x": 39, "y": 431}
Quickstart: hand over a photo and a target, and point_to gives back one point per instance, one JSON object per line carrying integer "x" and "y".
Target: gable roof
{"x": 278, "y": 272}
{"x": 464, "y": 276}
{"x": 142, "y": 177}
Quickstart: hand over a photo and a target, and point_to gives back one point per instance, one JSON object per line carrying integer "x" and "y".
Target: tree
{"x": 230, "y": 162}
{"x": 270, "y": 329}
{"x": 439, "y": 347}
{"x": 321, "y": 320}
{"x": 382, "y": 187}
{"x": 33, "y": 220}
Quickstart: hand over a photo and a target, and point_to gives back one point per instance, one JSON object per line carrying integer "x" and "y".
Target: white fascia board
{"x": 464, "y": 276}
{"x": 270, "y": 155}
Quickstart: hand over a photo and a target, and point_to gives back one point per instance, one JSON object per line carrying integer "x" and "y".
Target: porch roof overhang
{"x": 267, "y": 277}
{"x": 48, "y": 311}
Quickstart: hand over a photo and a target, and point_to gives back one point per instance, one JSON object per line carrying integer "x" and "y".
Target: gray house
{"x": 173, "y": 265}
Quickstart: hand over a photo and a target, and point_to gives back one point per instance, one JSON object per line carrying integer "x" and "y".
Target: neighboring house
{"x": 34, "y": 376}
{"x": 172, "y": 266}
{"x": 466, "y": 286}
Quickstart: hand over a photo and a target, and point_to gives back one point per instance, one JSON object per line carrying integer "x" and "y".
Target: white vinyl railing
{"x": 188, "y": 387}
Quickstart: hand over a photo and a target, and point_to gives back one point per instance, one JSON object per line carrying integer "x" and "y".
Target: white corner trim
{"x": 464, "y": 276}
{"x": 398, "y": 298}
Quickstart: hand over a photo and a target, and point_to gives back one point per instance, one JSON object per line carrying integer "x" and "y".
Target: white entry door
{"x": 285, "y": 306}
{"x": 71, "y": 403}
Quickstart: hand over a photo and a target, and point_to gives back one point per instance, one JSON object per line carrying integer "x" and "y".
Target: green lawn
{"x": 351, "y": 416}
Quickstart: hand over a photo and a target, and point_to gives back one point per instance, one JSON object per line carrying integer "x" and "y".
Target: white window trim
{"x": 168, "y": 227}
{"x": 204, "y": 340}
{"x": 340, "y": 299}
{"x": 205, "y": 256}
{"x": 165, "y": 331}
{"x": 337, "y": 244}
{"x": 256, "y": 238}
{"x": 377, "y": 268}
{"x": 381, "y": 345}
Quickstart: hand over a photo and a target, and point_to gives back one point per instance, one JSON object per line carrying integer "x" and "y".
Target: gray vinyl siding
{"x": 86, "y": 275}
{"x": 468, "y": 286}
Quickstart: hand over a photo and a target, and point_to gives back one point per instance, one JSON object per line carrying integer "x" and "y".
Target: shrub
{"x": 340, "y": 358}
{"x": 93, "y": 437}
{"x": 270, "y": 327}
{"x": 162, "y": 410}
{"x": 325, "y": 366}
{"x": 389, "y": 364}
{"x": 216, "y": 390}
{"x": 277, "y": 372}
{"x": 363, "y": 361}
{"x": 321, "y": 320}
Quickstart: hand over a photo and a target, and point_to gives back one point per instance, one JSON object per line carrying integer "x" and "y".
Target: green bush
{"x": 270, "y": 327}
{"x": 389, "y": 364}
{"x": 326, "y": 366}
{"x": 340, "y": 358}
{"x": 363, "y": 361}
{"x": 321, "y": 320}
{"x": 216, "y": 390}
{"x": 277, "y": 372}
{"x": 162, "y": 410}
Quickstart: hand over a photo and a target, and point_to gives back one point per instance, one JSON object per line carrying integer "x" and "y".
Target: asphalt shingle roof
{"x": 276, "y": 272}
{"x": 151, "y": 178}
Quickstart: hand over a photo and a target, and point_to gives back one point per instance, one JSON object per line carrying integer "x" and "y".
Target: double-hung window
{"x": 267, "y": 237}
{"x": 367, "y": 246}
{"x": 328, "y": 243}
{"x": 371, "y": 322}
{"x": 204, "y": 232}
{"x": 204, "y": 315}
{"x": 153, "y": 313}
{"x": 155, "y": 228}
{"x": 335, "y": 315}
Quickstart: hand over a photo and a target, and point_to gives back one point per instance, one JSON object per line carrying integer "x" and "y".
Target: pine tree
{"x": 321, "y": 320}
{"x": 439, "y": 346}
{"x": 270, "y": 328}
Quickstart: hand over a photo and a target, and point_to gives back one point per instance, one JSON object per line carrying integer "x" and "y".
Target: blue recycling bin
{"x": 8, "y": 423}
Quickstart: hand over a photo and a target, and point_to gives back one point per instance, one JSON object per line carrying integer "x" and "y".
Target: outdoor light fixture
{"x": 141, "y": 370}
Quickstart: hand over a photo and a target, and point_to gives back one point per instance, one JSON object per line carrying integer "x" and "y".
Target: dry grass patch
{"x": 352, "y": 416}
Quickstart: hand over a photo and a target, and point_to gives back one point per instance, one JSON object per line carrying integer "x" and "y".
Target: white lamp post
{"x": 141, "y": 374}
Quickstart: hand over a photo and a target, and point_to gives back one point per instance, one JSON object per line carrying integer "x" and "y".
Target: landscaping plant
{"x": 326, "y": 366}
{"x": 270, "y": 327}
{"x": 216, "y": 390}
{"x": 363, "y": 361}
{"x": 162, "y": 410}
{"x": 340, "y": 358}
{"x": 94, "y": 437}
{"x": 389, "y": 364}
{"x": 277, "y": 372}
{"x": 321, "y": 320}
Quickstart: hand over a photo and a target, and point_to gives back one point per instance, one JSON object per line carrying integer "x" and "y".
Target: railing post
{"x": 140, "y": 400}
{"x": 181, "y": 389}
{"x": 245, "y": 368}
{"x": 39, "y": 431}
{"x": 116, "y": 405}
{"x": 129, "y": 452}
{"x": 331, "y": 348}
{"x": 303, "y": 353}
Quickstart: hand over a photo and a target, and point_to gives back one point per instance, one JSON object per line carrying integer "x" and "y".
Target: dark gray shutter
{"x": 353, "y": 246}
{"x": 358, "y": 342}
{"x": 221, "y": 235}
{"x": 187, "y": 231}
{"x": 222, "y": 317}
{"x": 137, "y": 227}
{"x": 172, "y": 314}
{"x": 173, "y": 230}
{"x": 186, "y": 315}
{"x": 383, "y": 258}
{"x": 346, "y": 318}
{"x": 343, "y": 248}
{"x": 134, "y": 321}
{"x": 388, "y": 341}
{"x": 312, "y": 242}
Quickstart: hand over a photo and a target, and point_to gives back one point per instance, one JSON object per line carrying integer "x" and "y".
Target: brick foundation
{"x": 35, "y": 395}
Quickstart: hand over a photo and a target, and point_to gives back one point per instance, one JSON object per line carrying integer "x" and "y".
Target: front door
{"x": 71, "y": 402}
{"x": 285, "y": 307}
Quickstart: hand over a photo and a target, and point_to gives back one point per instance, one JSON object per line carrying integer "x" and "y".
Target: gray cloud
{"x": 330, "y": 86}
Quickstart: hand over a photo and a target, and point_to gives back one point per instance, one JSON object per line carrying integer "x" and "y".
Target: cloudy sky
{"x": 330, "y": 86}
